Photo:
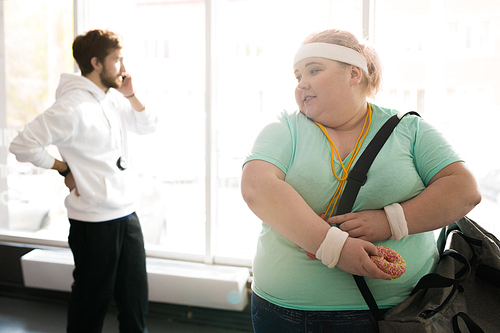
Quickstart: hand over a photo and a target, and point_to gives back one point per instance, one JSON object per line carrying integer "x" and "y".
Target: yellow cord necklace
{"x": 345, "y": 169}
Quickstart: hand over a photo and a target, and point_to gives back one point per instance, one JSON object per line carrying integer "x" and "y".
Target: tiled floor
{"x": 36, "y": 316}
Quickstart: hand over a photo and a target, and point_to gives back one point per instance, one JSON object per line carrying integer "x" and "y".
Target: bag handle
{"x": 471, "y": 325}
{"x": 434, "y": 280}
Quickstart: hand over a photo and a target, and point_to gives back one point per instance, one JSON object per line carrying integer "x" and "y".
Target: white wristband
{"x": 397, "y": 221}
{"x": 329, "y": 251}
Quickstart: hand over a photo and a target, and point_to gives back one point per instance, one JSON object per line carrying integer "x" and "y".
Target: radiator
{"x": 170, "y": 281}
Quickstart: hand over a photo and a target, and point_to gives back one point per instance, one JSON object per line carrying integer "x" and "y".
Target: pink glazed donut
{"x": 390, "y": 262}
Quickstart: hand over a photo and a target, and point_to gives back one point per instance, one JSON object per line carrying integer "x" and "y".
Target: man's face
{"x": 112, "y": 70}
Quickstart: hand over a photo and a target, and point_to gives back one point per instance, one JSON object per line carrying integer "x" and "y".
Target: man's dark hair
{"x": 94, "y": 43}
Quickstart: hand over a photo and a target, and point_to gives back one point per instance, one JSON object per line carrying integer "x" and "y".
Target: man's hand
{"x": 59, "y": 166}
{"x": 127, "y": 89}
{"x": 69, "y": 180}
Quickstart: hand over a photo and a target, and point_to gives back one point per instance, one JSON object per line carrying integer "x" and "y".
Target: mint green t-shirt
{"x": 283, "y": 273}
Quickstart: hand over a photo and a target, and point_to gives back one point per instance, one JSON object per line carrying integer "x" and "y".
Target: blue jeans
{"x": 271, "y": 318}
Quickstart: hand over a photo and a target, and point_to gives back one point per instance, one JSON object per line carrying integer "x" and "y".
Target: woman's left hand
{"x": 369, "y": 225}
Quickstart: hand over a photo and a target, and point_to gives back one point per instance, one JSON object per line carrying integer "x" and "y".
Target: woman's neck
{"x": 347, "y": 120}
{"x": 347, "y": 133}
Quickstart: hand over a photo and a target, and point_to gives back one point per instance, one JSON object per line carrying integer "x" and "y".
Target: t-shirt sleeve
{"x": 432, "y": 152}
{"x": 273, "y": 145}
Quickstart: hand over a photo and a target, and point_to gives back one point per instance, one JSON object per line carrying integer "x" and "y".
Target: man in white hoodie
{"x": 88, "y": 124}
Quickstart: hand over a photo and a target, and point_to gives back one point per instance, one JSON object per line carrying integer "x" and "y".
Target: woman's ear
{"x": 356, "y": 75}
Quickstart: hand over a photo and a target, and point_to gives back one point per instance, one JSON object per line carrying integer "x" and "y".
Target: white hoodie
{"x": 89, "y": 127}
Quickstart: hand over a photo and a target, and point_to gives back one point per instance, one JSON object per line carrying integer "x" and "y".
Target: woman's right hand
{"x": 355, "y": 259}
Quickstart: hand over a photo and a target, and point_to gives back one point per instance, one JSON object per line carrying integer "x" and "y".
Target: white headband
{"x": 332, "y": 52}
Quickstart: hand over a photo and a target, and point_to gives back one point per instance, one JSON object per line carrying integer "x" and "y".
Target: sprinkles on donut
{"x": 390, "y": 262}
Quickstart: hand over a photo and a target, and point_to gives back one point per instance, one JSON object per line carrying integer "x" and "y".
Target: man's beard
{"x": 108, "y": 80}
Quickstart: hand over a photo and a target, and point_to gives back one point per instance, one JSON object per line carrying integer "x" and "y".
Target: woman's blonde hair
{"x": 373, "y": 80}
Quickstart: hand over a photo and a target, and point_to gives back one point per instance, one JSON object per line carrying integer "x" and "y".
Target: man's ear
{"x": 96, "y": 64}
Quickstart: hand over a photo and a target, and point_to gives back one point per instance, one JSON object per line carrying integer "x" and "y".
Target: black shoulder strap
{"x": 357, "y": 176}
{"x": 356, "y": 179}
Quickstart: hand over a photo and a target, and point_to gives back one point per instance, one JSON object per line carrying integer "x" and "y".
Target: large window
{"x": 441, "y": 59}
{"x": 215, "y": 77}
{"x": 216, "y": 72}
{"x": 35, "y": 48}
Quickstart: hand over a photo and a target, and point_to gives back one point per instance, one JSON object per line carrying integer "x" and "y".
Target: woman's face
{"x": 323, "y": 87}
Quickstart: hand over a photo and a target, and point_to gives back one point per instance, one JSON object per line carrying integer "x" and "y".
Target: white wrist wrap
{"x": 397, "y": 221}
{"x": 329, "y": 251}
